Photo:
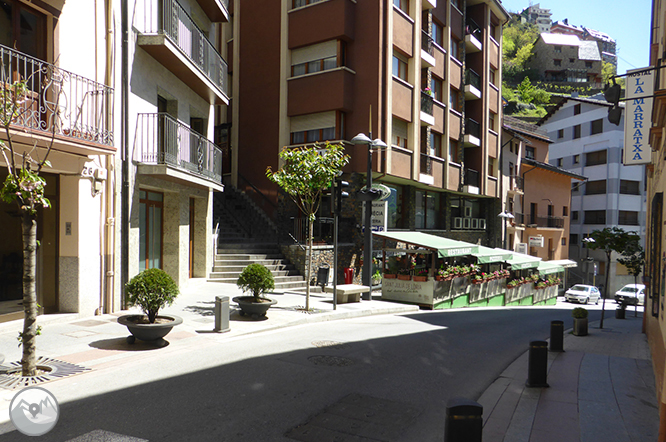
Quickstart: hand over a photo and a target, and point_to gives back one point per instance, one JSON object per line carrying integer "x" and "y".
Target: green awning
{"x": 445, "y": 247}
{"x": 547, "y": 268}
{"x": 486, "y": 255}
{"x": 520, "y": 261}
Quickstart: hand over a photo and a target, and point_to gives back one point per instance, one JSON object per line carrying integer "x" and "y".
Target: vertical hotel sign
{"x": 638, "y": 116}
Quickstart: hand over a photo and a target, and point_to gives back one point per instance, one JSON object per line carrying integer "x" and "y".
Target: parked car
{"x": 583, "y": 294}
{"x": 633, "y": 294}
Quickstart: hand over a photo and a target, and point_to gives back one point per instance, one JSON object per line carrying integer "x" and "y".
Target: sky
{"x": 628, "y": 22}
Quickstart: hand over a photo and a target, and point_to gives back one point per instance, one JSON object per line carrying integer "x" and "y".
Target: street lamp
{"x": 368, "y": 197}
{"x": 505, "y": 216}
{"x": 587, "y": 241}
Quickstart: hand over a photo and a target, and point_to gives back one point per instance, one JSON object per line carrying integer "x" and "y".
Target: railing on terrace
{"x": 471, "y": 178}
{"x": 427, "y": 43}
{"x": 472, "y": 78}
{"x": 167, "y": 17}
{"x": 426, "y": 103}
{"x": 58, "y": 101}
{"x": 160, "y": 139}
{"x": 426, "y": 164}
{"x": 472, "y": 28}
{"x": 544, "y": 221}
{"x": 472, "y": 128}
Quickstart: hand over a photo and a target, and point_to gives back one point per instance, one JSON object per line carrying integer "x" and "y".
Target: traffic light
{"x": 337, "y": 193}
{"x": 612, "y": 95}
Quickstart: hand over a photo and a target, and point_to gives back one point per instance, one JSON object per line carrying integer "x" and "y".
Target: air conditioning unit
{"x": 475, "y": 223}
{"x": 457, "y": 222}
{"x": 466, "y": 223}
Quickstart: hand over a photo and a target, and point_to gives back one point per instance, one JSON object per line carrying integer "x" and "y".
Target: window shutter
{"x": 319, "y": 120}
{"x": 314, "y": 52}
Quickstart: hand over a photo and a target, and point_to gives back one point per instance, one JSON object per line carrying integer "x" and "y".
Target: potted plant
{"x": 256, "y": 279}
{"x": 421, "y": 275}
{"x": 403, "y": 274}
{"x": 376, "y": 277}
{"x": 580, "y": 321}
{"x": 151, "y": 290}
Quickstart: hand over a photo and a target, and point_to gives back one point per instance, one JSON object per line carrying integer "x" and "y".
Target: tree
{"x": 305, "y": 174}
{"x": 25, "y": 187}
{"x": 633, "y": 258}
{"x": 607, "y": 71}
{"x": 610, "y": 239}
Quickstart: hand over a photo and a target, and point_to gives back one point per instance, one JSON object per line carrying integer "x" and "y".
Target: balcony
{"x": 515, "y": 185}
{"x": 427, "y": 50}
{"x": 76, "y": 110}
{"x": 216, "y": 10}
{"x": 541, "y": 221}
{"x": 428, "y": 4}
{"x": 473, "y": 37}
{"x": 472, "y": 133}
{"x": 168, "y": 33}
{"x": 427, "y": 114}
{"x": 167, "y": 148}
{"x": 472, "y": 85}
{"x": 471, "y": 181}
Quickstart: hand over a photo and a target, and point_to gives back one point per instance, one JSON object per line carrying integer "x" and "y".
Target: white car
{"x": 633, "y": 294}
{"x": 583, "y": 294}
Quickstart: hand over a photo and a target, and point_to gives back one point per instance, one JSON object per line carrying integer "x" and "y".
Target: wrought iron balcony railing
{"x": 543, "y": 221}
{"x": 58, "y": 101}
{"x": 427, "y": 43}
{"x": 160, "y": 139}
{"x": 167, "y": 17}
{"x": 472, "y": 78}
{"x": 426, "y": 103}
{"x": 472, "y": 128}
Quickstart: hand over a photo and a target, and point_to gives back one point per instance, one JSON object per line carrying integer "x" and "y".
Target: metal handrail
{"x": 473, "y": 128}
{"x": 161, "y": 139}
{"x": 167, "y": 17}
{"x": 426, "y": 103}
{"x": 471, "y": 177}
{"x": 472, "y": 78}
{"x": 59, "y": 101}
{"x": 427, "y": 43}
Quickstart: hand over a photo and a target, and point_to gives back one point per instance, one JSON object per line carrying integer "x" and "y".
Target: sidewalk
{"x": 601, "y": 388}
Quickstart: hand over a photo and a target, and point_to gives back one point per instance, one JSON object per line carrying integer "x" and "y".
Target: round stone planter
{"x": 254, "y": 309}
{"x": 153, "y": 333}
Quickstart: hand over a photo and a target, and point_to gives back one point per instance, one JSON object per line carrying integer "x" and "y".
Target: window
{"x": 317, "y": 127}
{"x": 299, "y": 3}
{"x": 576, "y": 159}
{"x": 436, "y": 87}
{"x": 576, "y": 131}
{"x": 318, "y": 57}
{"x": 564, "y": 241}
{"x": 572, "y": 60}
{"x": 630, "y": 187}
{"x": 574, "y": 215}
{"x": 558, "y": 49}
{"x": 529, "y": 152}
{"x": 577, "y": 109}
{"x": 399, "y": 67}
{"x": 454, "y": 102}
{"x": 595, "y": 158}
{"x": 491, "y": 121}
{"x": 427, "y": 210}
{"x": 399, "y": 137}
{"x": 595, "y": 217}
{"x": 628, "y": 218}
{"x": 565, "y": 211}
{"x": 588, "y": 64}
{"x": 492, "y": 77}
{"x": 453, "y": 150}
{"x": 466, "y": 213}
{"x": 557, "y": 62}
{"x": 491, "y": 166}
{"x": 403, "y": 5}
{"x": 559, "y": 162}
{"x": 395, "y": 207}
{"x": 597, "y": 126}
{"x": 573, "y": 239}
{"x": 454, "y": 48}
{"x": 23, "y": 29}
{"x": 560, "y": 134}
{"x": 150, "y": 229}
{"x": 595, "y": 187}
{"x": 435, "y": 144}
{"x": 437, "y": 33}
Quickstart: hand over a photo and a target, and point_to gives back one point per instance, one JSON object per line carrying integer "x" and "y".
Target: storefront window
{"x": 427, "y": 210}
{"x": 395, "y": 208}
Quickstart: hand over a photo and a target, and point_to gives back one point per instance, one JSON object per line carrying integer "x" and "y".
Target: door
{"x": 150, "y": 229}
{"x": 191, "y": 237}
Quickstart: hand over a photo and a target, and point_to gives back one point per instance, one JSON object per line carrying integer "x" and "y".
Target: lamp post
{"x": 368, "y": 197}
{"x": 505, "y": 216}
{"x": 588, "y": 240}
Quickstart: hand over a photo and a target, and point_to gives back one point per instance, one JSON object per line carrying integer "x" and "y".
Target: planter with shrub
{"x": 580, "y": 321}
{"x": 257, "y": 280}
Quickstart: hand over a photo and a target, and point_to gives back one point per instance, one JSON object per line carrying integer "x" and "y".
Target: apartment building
{"x": 607, "y": 45}
{"x": 421, "y": 75}
{"x": 537, "y": 193}
{"x": 538, "y": 16}
{"x": 584, "y": 142}
{"x": 654, "y": 321}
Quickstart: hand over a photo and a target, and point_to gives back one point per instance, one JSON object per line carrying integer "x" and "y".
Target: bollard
{"x": 464, "y": 421}
{"x": 537, "y": 369}
{"x": 221, "y": 314}
{"x": 556, "y": 335}
{"x": 620, "y": 313}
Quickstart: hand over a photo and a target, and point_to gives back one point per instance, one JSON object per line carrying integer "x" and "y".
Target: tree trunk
{"x": 309, "y": 265}
{"x": 28, "y": 337}
{"x": 603, "y": 302}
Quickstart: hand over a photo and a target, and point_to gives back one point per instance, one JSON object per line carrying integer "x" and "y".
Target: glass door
{"x": 150, "y": 229}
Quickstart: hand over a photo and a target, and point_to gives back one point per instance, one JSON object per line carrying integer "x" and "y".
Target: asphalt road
{"x": 300, "y": 381}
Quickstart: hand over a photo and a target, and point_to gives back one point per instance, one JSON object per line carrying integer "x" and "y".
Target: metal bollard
{"x": 464, "y": 421}
{"x": 537, "y": 370}
{"x": 221, "y": 314}
{"x": 556, "y": 335}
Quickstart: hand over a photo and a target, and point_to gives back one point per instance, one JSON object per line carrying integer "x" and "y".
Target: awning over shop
{"x": 566, "y": 263}
{"x": 445, "y": 247}
{"x": 520, "y": 261}
{"x": 548, "y": 267}
{"x": 486, "y": 255}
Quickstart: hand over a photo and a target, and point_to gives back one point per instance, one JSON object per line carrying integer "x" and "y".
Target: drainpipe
{"x": 125, "y": 196}
{"x": 109, "y": 192}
